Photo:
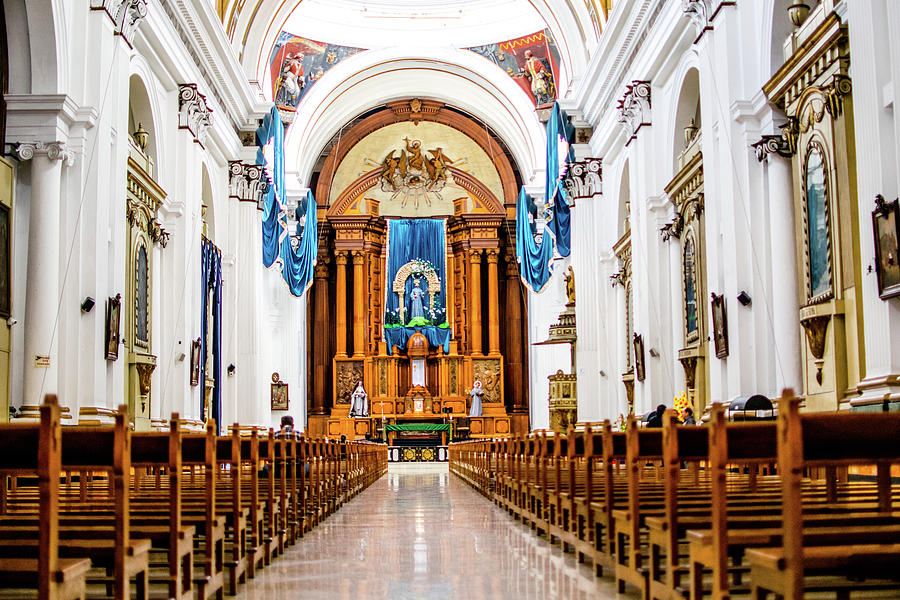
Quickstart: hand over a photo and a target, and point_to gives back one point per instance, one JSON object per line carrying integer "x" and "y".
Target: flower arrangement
{"x": 622, "y": 423}
{"x": 392, "y": 318}
{"x": 680, "y": 404}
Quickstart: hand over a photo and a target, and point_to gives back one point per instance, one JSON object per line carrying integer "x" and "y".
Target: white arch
{"x": 373, "y": 78}
{"x": 36, "y": 38}
{"x": 138, "y": 68}
{"x": 689, "y": 61}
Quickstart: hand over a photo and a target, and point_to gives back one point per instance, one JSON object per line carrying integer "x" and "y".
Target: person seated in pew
{"x": 689, "y": 416}
{"x": 287, "y": 428}
{"x": 656, "y": 419}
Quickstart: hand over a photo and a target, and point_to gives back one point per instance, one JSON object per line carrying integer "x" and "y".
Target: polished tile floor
{"x": 418, "y": 533}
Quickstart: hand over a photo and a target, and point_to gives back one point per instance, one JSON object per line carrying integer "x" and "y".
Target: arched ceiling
{"x": 414, "y": 48}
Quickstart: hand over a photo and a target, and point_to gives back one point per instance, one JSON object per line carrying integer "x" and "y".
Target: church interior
{"x": 419, "y": 299}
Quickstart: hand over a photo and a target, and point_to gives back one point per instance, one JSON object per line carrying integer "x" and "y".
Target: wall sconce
{"x": 231, "y": 369}
{"x": 87, "y": 305}
{"x": 744, "y": 298}
{"x": 654, "y": 352}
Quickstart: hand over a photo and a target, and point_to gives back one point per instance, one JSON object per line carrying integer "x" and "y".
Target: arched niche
{"x": 777, "y": 28}
{"x": 141, "y": 113}
{"x": 687, "y": 123}
{"x": 208, "y": 206}
{"x": 624, "y": 209}
{"x": 36, "y": 32}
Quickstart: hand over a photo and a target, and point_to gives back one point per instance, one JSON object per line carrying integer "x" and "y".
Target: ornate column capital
{"x": 193, "y": 112}
{"x": 52, "y": 150}
{"x": 771, "y": 144}
{"x": 672, "y": 229}
{"x": 493, "y": 255}
{"x": 475, "y": 255}
{"x": 358, "y": 257}
{"x": 634, "y": 108}
{"x": 247, "y": 183}
{"x": 584, "y": 179}
{"x": 340, "y": 257}
{"x": 125, "y": 15}
{"x": 321, "y": 270}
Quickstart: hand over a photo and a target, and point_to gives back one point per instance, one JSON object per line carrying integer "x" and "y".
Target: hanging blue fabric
{"x": 211, "y": 285}
{"x": 272, "y": 129}
{"x": 560, "y": 134}
{"x": 535, "y": 260}
{"x": 410, "y": 240}
{"x": 296, "y": 264}
{"x": 297, "y": 269}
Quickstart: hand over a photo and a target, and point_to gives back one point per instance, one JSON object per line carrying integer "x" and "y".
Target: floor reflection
{"x": 420, "y": 533}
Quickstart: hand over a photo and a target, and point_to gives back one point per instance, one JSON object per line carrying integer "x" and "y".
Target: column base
{"x": 878, "y": 394}
{"x": 31, "y": 413}
{"x": 519, "y": 424}
{"x": 97, "y": 415}
{"x": 316, "y": 425}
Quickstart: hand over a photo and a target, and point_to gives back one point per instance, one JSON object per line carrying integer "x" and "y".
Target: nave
{"x": 419, "y": 532}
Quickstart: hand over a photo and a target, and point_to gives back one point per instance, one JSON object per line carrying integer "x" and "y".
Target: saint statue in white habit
{"x": 476, "y": 392}
{"x": 359, "y": 404}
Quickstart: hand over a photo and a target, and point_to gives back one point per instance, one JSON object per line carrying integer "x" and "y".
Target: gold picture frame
{"x": 720, "y": 326}
{"x": 886, "y": 230}
{"x": 639, "y": 371}
{"x": 195, "y": 362}
{"x": 280, "y": 398}
{"x": 113, "y": 317}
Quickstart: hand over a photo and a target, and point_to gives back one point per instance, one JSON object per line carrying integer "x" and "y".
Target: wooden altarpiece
{"x": 347, "y": 306}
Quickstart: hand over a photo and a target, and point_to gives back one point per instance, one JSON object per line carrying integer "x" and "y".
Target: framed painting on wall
{"x": 280, "y": 400}
{"x": 113, "y": 311}
{"x": 195, "y": 362}
{"x": 639, "y": 372}
{"x": 720, "y": 326}
{"x": 886, "y": 228}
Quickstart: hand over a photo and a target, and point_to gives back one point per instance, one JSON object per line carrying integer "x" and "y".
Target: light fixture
{"x": 231, "y": 369}
{"x": 87, "y": 305}
{"x": 654, "y": 352}
{"x": 744, "y": 298}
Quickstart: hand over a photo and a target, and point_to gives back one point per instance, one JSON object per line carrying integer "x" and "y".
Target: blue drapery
{"x": 399, "y": 336}
{"x": 559, "y": 136}
{"x": 211, "y": 281}
{"x": 296, "y": 264}
{"x": 534, "y": 260}
{"x": 409, "y": 240}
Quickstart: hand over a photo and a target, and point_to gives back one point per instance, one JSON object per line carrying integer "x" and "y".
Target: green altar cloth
{"x": 418, "y": 427}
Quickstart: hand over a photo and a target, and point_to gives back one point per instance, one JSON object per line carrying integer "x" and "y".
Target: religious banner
{"x": 415, "y": 283}
{"x": 297, "y": 63}
{"x": 531, "y": 60}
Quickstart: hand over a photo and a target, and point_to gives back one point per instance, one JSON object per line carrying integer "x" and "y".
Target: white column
{"x": 42, "y": 281}
{"x": 249, "y": 286}
{"x": 784, "y": 297}
{"x": 676, "y": 293}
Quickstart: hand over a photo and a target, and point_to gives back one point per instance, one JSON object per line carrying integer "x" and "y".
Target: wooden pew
{"x": 828, "y": 440}
{"x": 36, "y": 450}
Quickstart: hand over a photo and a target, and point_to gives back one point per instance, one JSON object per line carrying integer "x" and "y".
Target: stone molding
{"x": 52, "y": 150}
{"x": 584, "y": 179}
{"x": 194, "y": 113}
{"x": 634, "y": 108}
{"x": 126, "y": 15}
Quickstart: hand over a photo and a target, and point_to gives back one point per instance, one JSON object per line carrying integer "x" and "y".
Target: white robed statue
{"x": 476, "y": 392}
{"x": 359, "y": 403}
{"x": 416, "y": 307}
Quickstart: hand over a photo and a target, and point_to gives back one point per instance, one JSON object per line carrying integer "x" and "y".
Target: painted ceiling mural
{"x": 531, "y": 60}
{"x": 296, "y": 63}
{"x": 426, "y": 170}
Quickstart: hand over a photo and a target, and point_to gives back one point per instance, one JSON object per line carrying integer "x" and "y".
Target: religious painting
{"x": 195, "y": 362}
{"x": 5, "y": 265}
{"x": 720, "y": 326}
{"x": 639, "y": 372}
{"x": 886, "y": 226}
{"x": 279, "y": 393}
{"x": 297, "y": 63}
{"x": 111, "y": 341}
{"x": 531, "y": 60}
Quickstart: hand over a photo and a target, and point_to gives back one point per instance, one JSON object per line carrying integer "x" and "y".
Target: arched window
{"x": 690, "y": 288}
{"x": 142, "y": 297}
{"x": 819, "y": 260}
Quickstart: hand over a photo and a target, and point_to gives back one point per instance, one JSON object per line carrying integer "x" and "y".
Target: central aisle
{"x": 419, "y": 532}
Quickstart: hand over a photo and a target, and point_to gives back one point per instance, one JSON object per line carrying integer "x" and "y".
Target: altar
{"x": 416, "y": 273}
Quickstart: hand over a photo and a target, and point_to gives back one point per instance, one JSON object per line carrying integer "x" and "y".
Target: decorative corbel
{"x": 634, "y": 108}
{"x": 839, "y": 87}
{"x": 673, "y": 229}
{"x": 771, "y": 144}
{"x": 193, "y": 112}
{"x": 584, "y": 179}
{"x": 816, "y": 327}
{"x": 617, "y": 278}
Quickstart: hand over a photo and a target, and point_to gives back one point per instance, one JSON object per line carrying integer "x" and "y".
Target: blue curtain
{"x": 535, "y": 261}
{"x": 296, "y": 265}
{"x": 408, "y": 240}
{"x": 559, "y": 132}
{"x": 211, "y": 280}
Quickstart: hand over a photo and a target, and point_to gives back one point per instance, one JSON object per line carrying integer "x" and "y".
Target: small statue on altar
{"x": 359, "y": 403}
{"x": 416, "y": 307}
{"x": 570, "y": 286}
{"x": 476, "y": 392}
